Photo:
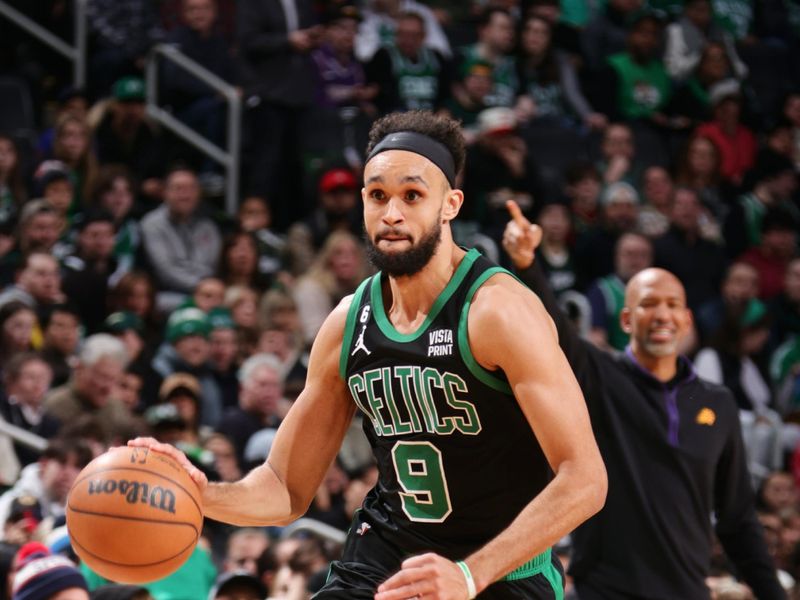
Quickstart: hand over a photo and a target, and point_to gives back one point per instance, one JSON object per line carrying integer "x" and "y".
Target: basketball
{"x": 134, "y": 515}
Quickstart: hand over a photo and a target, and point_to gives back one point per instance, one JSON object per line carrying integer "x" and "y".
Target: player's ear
{"x": 625, "y": 320}
{"x": 452, "y": 204}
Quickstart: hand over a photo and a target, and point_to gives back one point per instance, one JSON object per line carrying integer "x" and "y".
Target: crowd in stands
{"x": 637, "y": 133}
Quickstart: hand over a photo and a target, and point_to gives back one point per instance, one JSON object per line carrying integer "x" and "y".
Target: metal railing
{"x": 319, "y": 528}
{"x": 76, "y": 53}
{"x": 229, "y": 158}
{"x": 24, "y": 437}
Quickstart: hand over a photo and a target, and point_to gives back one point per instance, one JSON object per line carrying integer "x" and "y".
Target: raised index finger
{"x": 516, "y": 214}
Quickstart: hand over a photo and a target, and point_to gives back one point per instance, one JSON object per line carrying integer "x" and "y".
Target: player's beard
{"x": 409, "y": 262}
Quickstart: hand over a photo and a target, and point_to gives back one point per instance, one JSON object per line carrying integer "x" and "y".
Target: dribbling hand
{"x": 427, "y": 576}
{"x": 521, "y": 237}
{"x": 152, "y": 444}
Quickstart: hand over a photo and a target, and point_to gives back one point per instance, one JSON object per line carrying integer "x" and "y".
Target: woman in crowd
{"x": 549, "y": 83}
{"x": 17, "y": 328}
{"x": 12, "y": 188}
{"x": 72, "y": 145}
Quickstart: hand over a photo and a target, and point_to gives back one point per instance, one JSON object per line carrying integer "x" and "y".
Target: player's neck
{"x": 408, "y": 300}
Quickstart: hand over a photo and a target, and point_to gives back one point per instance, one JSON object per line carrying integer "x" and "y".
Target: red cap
{"x": 337, "y": 179}
{"x": 28, "y": 552}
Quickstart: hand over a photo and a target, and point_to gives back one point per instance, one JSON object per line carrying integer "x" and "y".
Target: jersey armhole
{"x": 485, "y": 376}
{"x": 349, "y": 327}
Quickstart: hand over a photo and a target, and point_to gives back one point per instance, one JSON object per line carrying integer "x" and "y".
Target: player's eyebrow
{"x": 414, "y": 179}
{"x": 374, "y": 179}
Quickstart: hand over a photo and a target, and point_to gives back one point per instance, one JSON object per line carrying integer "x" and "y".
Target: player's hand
{"x": 151, "y": 443}
{"x": 521, "y": 237}
{"x": 427, "y": 576}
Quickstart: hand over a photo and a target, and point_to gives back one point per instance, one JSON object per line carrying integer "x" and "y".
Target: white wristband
{"x": 471, "y": 590}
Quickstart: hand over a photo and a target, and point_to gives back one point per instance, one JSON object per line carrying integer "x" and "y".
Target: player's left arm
{"x": 509, "y": 329}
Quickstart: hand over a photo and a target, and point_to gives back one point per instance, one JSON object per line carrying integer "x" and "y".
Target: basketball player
{"x": 673, "y": 447}
{"x": 484, "y": 448}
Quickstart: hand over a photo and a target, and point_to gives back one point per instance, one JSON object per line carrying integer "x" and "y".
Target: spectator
{"x": 772, "y": 255}
{"x": 52, "y": 577}
{"x": 238, "y": 586}
{"x": 244, "y": 547}
{"x": 70, "y": 101}
{"x": 261, "y": 403}
{"x": 87, "y": 273}
{"x": 72, "y": 145}
{"x": 658, "y": 190}
{"x": 408, "y": 74}
{"x": 469, "y": 94}
{"x": 54, "y": 185}
{"x": 791, "y": 111}
{"x": 691, "y": 34}
{"x": 123, "y": 33}
{"x": 328, "y": 506}
{"x": 238, "y": 261}
{"x": 633, "y": 253}
{"x": 275, "y": 39}
{"x": 12, "y": 188}
{"x": 498, "y": 166}
{"x": 198, "y": 105}
{"x": 340, "y": 76}
{"x": 50, "y": 478}
{"x": 255, "y": 217}
{"x": 225, "y": 463}
{"x": 618, "y": 150}
{"x": 182, "y": 246}
{"x": 61, "y": 331}
{"x": 336, "y": 272}
{"x": 208, "y": 294}
{"x": 739, "y": 286}
{"x": 607, "y": 32}
{"x": 100, "y": 365}
{"x": 785, "y": 309}
{"x": 495, "y": 42}
{"x": 136, "y": 293}
{"x": 113, "y": 193}
{"x": 595, "y": 247}
{"x": 554, "y": 253}
{"x": 37, "y": 230}
{"x": 566, "y": 36}
{"x": 179, "y": 412}
{"x": 736, "y": 142}
{"x": 380, "y": 20}
{"x": 730, "y": 361}
{"x": 126, "y": 136}
{"x": 38, "y": 282}
{"x": 699, "y": 169}
{"x": 684, "y": 252}
{"x": 287, "y": 347}
{"x": 224, "y": 354}
{"x": 774, "y": 182}
{"x": 582, "y": 189}
{"x": 242, "y": 302}
{"x": 186, "y": 350}
{"x": 27, "y": 378}
{"x": 693, "y": 99}
{"x": 127, "y": 327}
{"x": 17, "y": 325}
{"x": 636, "y": 84}
{"x": 548, "y": 82}
{"x": 338, "y": 206}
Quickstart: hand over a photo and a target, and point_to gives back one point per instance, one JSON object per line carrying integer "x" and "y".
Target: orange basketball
{"x": 134, "y": 515}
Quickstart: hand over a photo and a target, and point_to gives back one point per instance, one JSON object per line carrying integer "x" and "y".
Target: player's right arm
{"x": 280, "y": 490}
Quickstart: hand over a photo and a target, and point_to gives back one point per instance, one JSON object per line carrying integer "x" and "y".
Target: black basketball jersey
{"x": 457, "y": 458}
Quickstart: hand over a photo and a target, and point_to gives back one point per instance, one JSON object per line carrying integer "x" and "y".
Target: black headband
{"x": 421, "y": 144}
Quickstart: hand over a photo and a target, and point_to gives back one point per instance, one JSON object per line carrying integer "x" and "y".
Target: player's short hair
{"x": 444, "y": 130}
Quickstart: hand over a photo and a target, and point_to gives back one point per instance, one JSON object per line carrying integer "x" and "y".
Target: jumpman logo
{"x": 360, "y": 342}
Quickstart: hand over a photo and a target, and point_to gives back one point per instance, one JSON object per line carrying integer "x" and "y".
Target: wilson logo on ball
{"x": 158, "y": 497}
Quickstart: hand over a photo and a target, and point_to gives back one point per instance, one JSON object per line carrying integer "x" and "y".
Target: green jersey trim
{"x": 538, "y": 564}
{"x": 385, "y": 324}
{"x": 478, "y": 371}
{"x": 350, "y": 328}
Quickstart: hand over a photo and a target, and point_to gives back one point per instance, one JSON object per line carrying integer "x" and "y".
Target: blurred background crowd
{"x": 635, "y": 132}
